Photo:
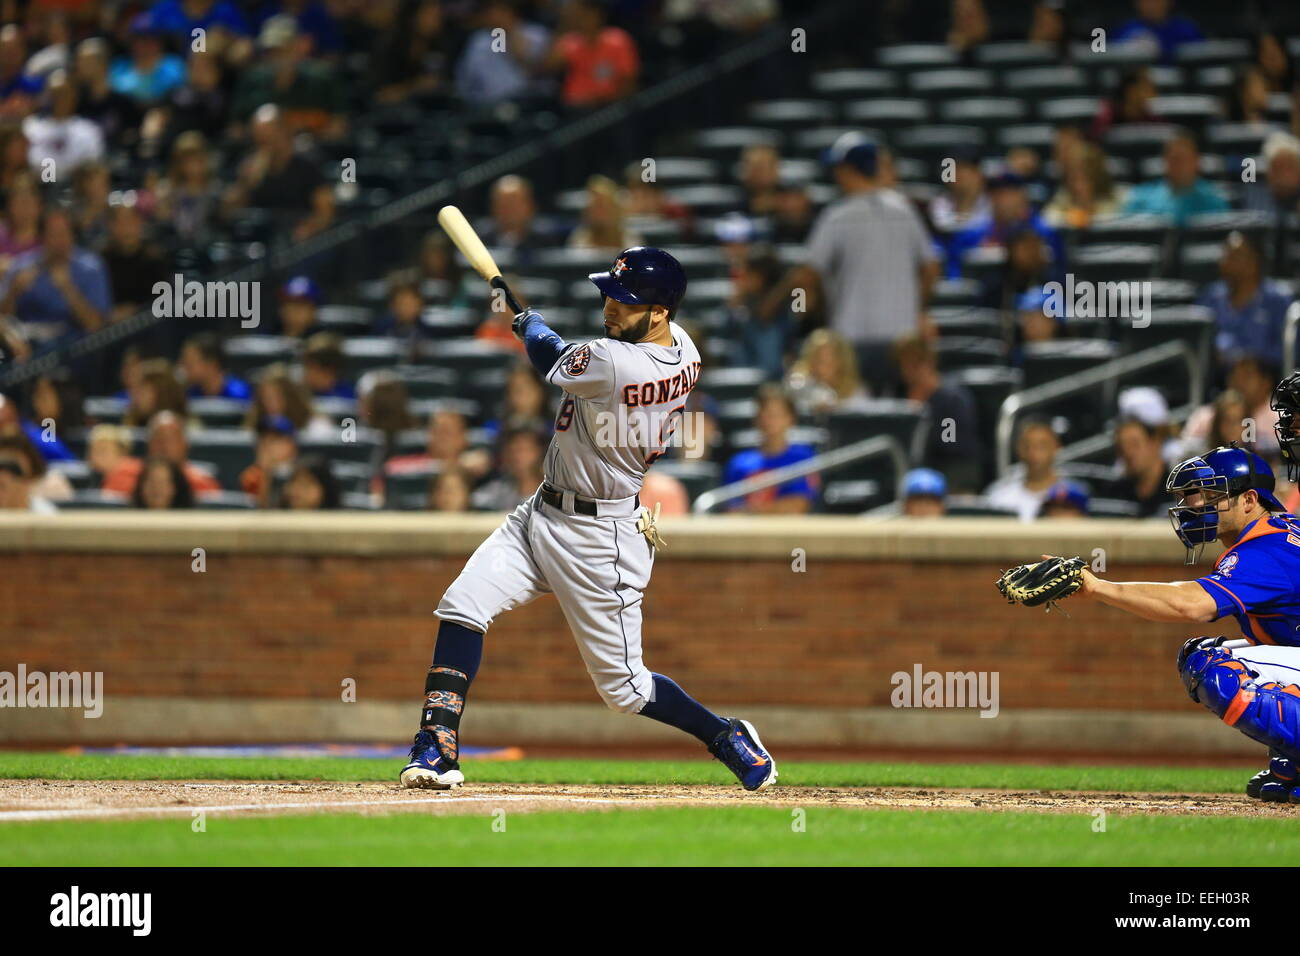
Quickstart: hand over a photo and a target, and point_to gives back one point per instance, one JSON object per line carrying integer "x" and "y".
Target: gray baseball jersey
{"x": 622, "y": 404}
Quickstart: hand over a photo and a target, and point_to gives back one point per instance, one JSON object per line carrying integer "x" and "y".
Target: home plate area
{"x": 48, "y": 800}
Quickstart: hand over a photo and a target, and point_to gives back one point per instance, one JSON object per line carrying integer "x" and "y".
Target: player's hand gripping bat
{"x": 457, "y": 227}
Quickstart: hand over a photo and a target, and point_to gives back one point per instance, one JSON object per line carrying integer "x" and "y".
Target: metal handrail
{"x": 866, "y": 448}
{"x": 1017, "y": 402}
{"x": 1289, "y": 338}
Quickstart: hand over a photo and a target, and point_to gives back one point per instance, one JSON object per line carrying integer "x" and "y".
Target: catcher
{"x": 1253, "y": 685}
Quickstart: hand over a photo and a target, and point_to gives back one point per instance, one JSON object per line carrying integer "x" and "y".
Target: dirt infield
{"x": 43, "y": 800}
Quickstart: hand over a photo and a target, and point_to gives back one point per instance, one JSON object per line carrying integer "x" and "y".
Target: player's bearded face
{"x": 627, "y": 323}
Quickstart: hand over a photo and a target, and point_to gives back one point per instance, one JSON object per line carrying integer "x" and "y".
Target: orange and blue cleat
{"x": 740, "y": 750}
{"x": 429, "y": 767}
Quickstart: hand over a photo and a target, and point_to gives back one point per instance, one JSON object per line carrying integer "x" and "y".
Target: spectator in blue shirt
{"x": 149, "y": 73}
{"x": 1182, "y": 193}
{"x": 1249, "y": 309}
{"x": 203, "y": 365}
{"x": 1010, "y": 214}
{"x": 492, "y": 70}
{"x": 58, "y": 288}
{"x": 1155, "y": 23}
{"x": 775, "y": 418}
{"x": 182, "y": 17}
{"x": 323, "y": 365}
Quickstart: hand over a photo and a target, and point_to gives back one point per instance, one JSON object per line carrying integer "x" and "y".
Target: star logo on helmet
{"x": 620, "y": 266}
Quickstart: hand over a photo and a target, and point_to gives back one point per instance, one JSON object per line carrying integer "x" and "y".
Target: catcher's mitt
{"x": 1044, "y": 582}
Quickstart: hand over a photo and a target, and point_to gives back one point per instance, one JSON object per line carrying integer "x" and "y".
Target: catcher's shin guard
{"x": 1267, "y": 712}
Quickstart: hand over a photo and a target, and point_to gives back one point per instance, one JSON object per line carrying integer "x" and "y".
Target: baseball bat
{"x": 458, "y": 229}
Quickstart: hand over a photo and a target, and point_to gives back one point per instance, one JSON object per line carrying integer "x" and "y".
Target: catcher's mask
{"x": 1201, "y": 483}
{"x": 1286, "y": 402}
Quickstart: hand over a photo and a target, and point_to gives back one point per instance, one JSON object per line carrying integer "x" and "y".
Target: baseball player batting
{"x": 1251, "y": 684}
{"x": 583, "y": 536}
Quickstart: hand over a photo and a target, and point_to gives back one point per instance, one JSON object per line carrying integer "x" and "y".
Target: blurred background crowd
{"x": 871, "y": 224}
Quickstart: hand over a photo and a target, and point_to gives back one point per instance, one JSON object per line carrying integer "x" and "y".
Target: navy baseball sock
{"x": 459, "y": 648}
{"x": 673, "y": 706}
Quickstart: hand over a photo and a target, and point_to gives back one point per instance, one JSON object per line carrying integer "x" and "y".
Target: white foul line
{"x": 25, "y": 816}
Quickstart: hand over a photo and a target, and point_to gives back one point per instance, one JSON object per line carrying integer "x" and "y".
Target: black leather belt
{"x": 581, "y": 506}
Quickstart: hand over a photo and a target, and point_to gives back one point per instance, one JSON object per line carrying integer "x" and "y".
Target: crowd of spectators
{"x": 846, "y": 319}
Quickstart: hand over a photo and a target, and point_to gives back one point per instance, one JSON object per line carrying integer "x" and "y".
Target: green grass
{"x": 668, "y": 836}
{"x": 647, "y": 772}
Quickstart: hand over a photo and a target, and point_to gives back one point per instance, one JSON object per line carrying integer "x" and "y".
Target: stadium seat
{"x": 1211, "y": 52}
{"x": 968, "y": 321}
{"x": 110, "y": 409}
{"x": 1045, "y": 82}
{"x": 1198, "y": 262}
{"x": 1191, "y": 109}
{"x": 731, "y": 384}
{"x": 1114, "y": 263}
{"x": 726, "y": 141}
{"x": 1024, "y": 54}
{"x": 975, "y": 506}
{"x": 94, "y": 498}
{"x": 224, "y": 501}
{"x": 852, "y": 84}
{"x": 941, "y": 84}
{"x": 784, "y": 113}
{"x": 1051, "y": 361}
{"x": 1076, "y": 110}
{"x": 933, "y": 143}
{"x": 78, "y": 474}
{"x": 246, "y": 353}
{"x": 887, "y": 113}
{"x": 1128, "y": 228}
{"x": 409, "y": 490}
{"x": 990, "y": 384}
{"x": 1137, "y": 140}
{"x": 855, "y": 496}
{"x": 987, "y": 111}
{"x": 898, "y": 418}
{"x": 228, "y": 450}
{"x": 345, "y": 319}
{"x": 952, "y": 293}
{"x": 917, "y": 56}
{"x": 963, "y": 351}
{"x": 218, "y": 412}
{"x": 1038, "y": 136}
{"x": 468, "y": 355}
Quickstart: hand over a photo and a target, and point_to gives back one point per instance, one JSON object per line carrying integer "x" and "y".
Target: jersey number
{"x": 565, "y": 418}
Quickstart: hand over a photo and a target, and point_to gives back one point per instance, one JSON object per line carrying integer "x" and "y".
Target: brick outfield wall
{"x": 732, "y": 631}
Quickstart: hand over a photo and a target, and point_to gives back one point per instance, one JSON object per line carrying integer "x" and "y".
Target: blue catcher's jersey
{"x": 1257, "y": 581}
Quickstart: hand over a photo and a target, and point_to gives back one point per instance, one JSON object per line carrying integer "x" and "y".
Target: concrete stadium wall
{"x": 256, "y": 647}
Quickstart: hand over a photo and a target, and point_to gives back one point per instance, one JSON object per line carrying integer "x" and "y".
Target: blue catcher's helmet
{"x": 1224, "y": 472}
{"x": 643, "y": 275}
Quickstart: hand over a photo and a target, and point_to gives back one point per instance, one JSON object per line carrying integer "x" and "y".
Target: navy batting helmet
{"x": 1224, "y": 472}
{"x": 643, "y": 275}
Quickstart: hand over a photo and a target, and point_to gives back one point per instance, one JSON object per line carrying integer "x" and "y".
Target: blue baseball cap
{"x": 853, "y": 149}
{"x": 301, "y": 287}
{"x": 924, "y": 482}
{"x": 1065, "y": 493}
{"x": 276, "y": 425}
